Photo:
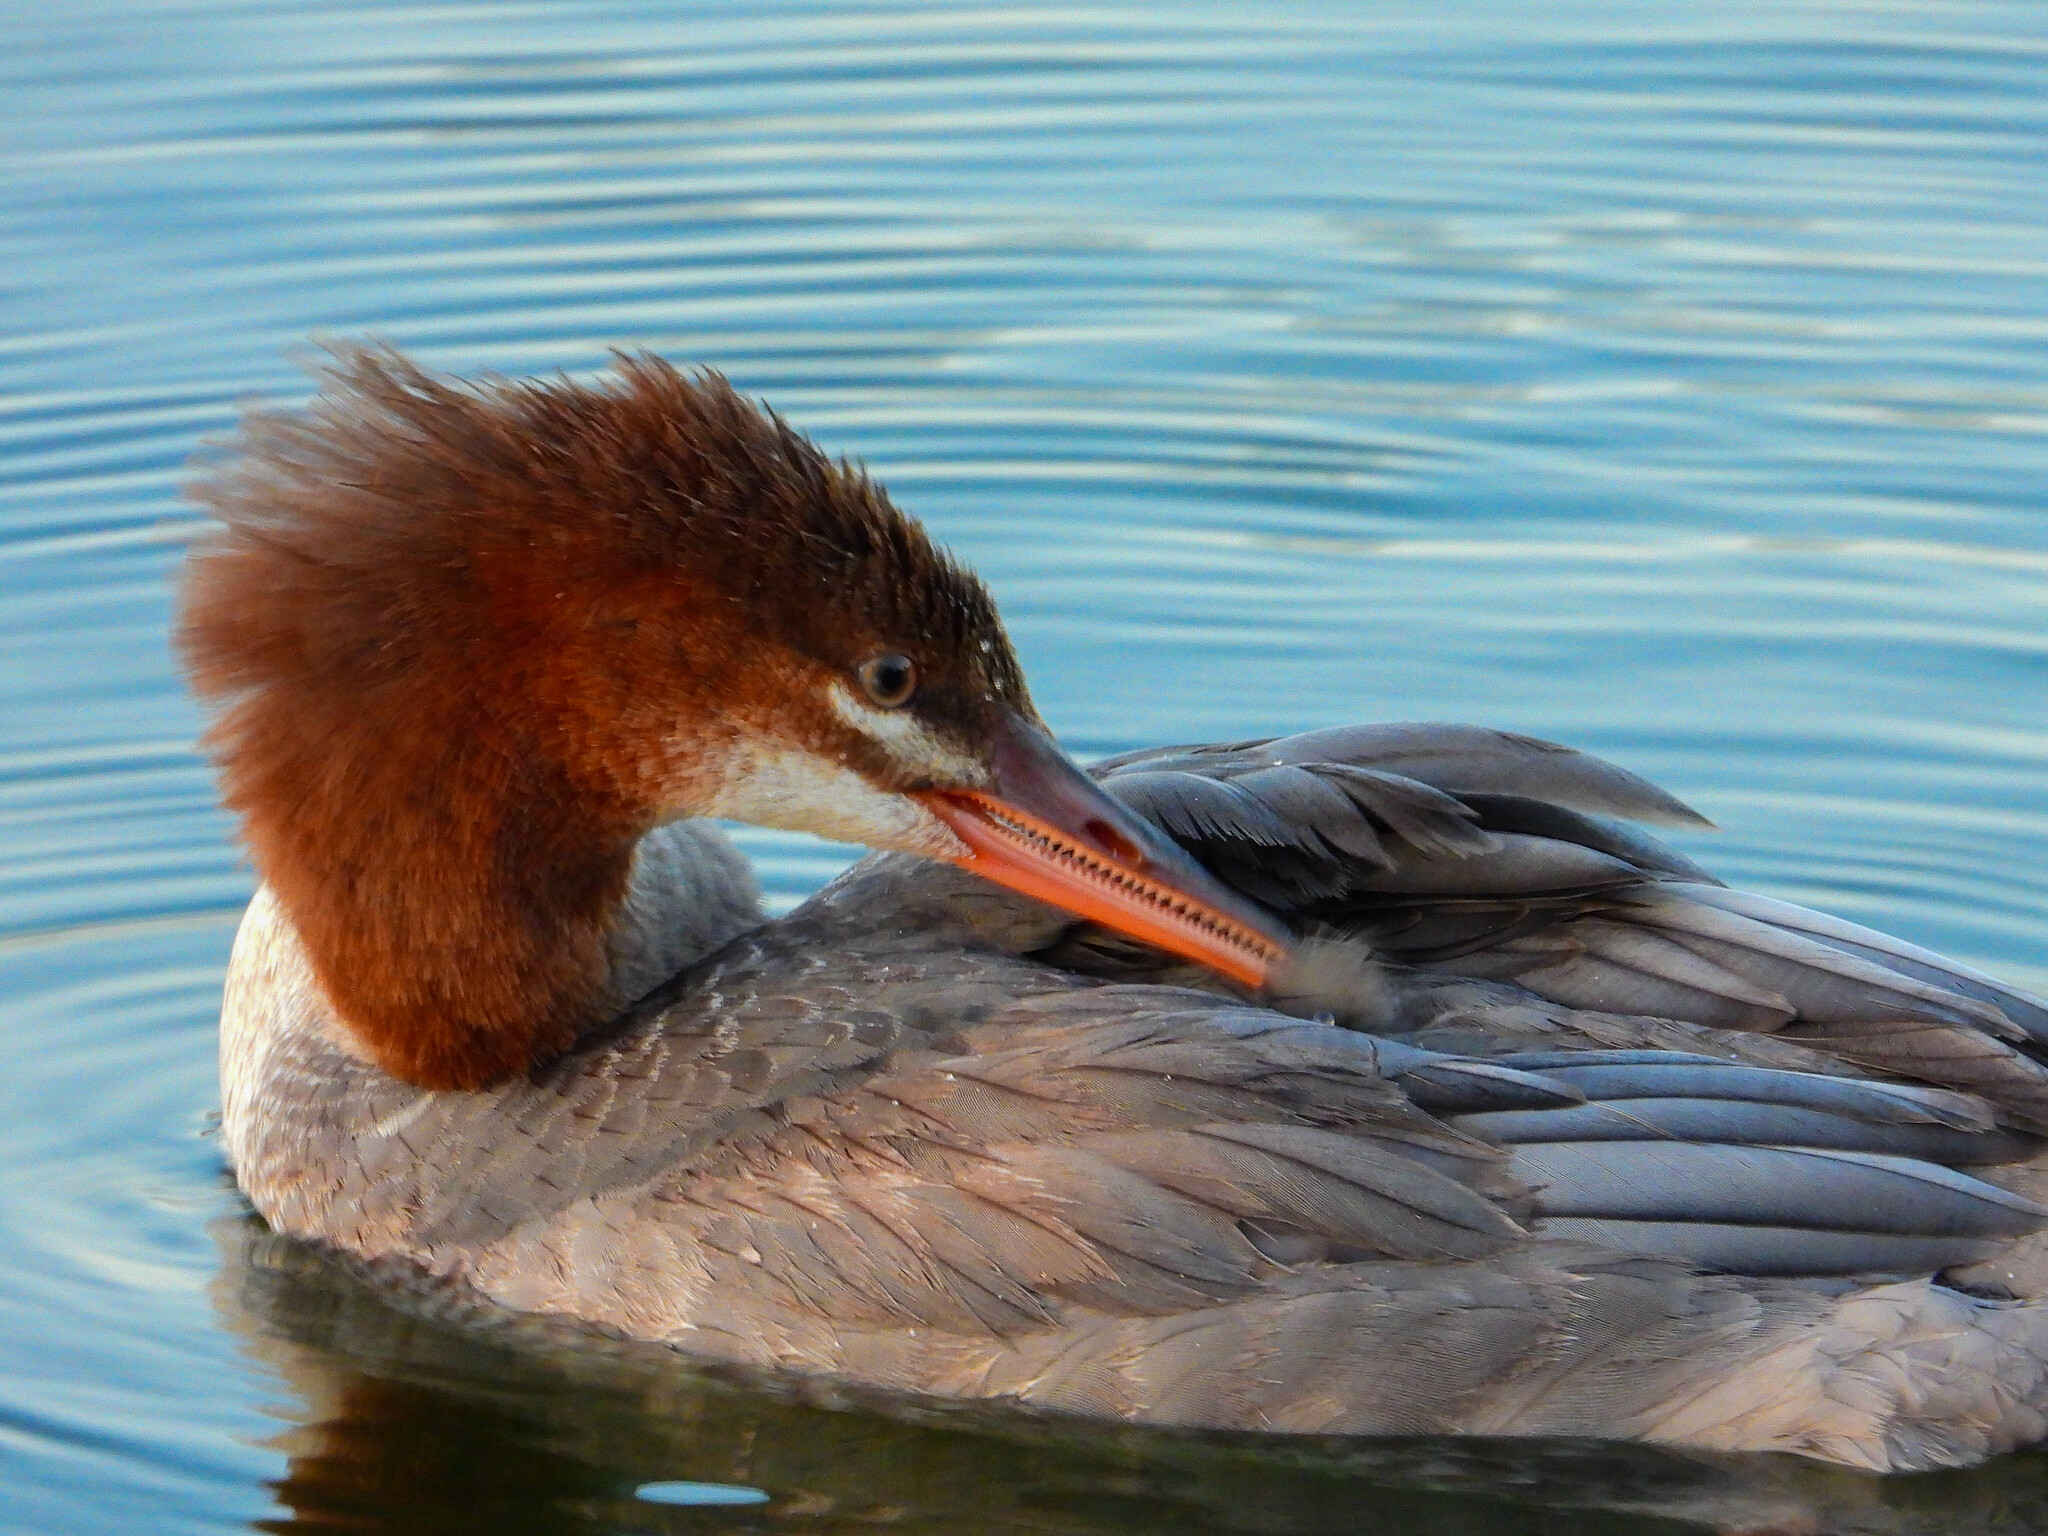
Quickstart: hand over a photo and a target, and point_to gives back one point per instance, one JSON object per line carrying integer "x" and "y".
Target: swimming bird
{"x": 1378, "y": 1080}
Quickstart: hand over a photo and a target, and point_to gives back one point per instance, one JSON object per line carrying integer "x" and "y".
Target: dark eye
{"x": 889, "y": 679}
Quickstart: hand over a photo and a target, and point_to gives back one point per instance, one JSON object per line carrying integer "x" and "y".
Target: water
{"x": 1669, "y": 379}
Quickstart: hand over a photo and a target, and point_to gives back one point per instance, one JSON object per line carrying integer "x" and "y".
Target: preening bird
{"x": 1384, "y": 1079}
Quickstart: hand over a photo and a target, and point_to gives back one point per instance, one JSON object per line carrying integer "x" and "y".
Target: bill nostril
{"x": 1115, "y": 844}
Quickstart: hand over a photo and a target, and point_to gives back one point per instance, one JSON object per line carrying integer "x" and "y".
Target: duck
{"x": 1378, "y": 1080}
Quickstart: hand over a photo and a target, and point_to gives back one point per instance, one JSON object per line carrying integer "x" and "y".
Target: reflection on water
{"x": 1665, "y": 378}
{"x": 405, "y": 1421}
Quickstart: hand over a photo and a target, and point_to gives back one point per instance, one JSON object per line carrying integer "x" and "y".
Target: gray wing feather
{"x": 1335, "y": 809}
{"x": 1828, "y": 984}
{"x": 1463, "y": 757}
{"x": 1673, "y": 1074}
{"x": 1826, "y": 1190}
{"x": 1453, "y": 758}
{"x": 1427, "y": 819}
{"x": 1744, "y": 1249}
{"x": 1202, "y": 810}
{"x": 1517, "y": 866}
{"x": 2022, "y": 1008}
{"x": 1610, "y": 968}
{"x": 1744, "y": 1123}
{"x": 1940, "y": 1053}
{"x": 1539, "y": 818}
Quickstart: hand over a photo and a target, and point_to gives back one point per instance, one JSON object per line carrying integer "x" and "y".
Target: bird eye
{"x": 889, "y": 679}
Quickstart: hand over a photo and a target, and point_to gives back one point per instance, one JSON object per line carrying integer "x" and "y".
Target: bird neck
{"x": 459, "y": 914}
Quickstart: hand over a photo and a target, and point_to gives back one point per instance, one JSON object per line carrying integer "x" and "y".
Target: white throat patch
{"x": 771, "y": 785}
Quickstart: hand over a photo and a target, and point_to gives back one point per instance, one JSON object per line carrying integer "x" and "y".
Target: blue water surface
{"x": 1667, "y": 378}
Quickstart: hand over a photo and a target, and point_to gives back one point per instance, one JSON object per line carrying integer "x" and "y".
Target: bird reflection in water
{"x": 415, "y": 1413}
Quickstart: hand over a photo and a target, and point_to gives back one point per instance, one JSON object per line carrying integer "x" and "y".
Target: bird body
{"x": 1378, "y": 1080}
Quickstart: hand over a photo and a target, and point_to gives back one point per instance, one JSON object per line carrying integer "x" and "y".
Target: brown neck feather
{"x": 455, "y": 905}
